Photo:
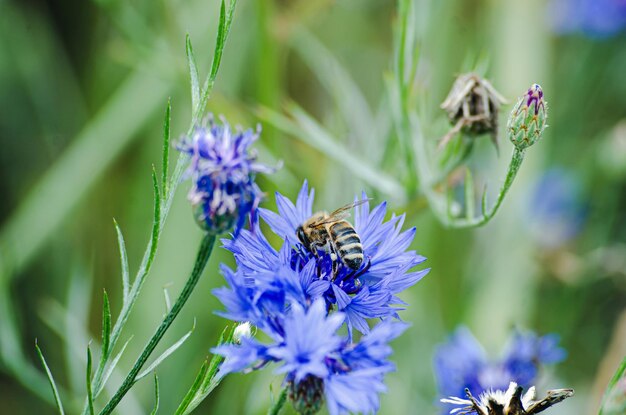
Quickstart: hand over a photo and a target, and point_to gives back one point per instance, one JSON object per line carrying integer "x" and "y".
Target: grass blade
{"x": 124, "y": 262}
{"x": 166, "y": 149}
{"x": 55, "y": 391}
{"x": 156, "y": 395}
{"x": 165, "y": 354}
{"x": 88, "y": 379}
{"x": 193, "y": 75}
{"x": 613, "y": 401}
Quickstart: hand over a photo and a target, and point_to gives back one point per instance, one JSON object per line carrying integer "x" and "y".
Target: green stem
{"x": 278, "y": 405}
{"x": 203, "y": 256}
{"x": 514, "y": 165}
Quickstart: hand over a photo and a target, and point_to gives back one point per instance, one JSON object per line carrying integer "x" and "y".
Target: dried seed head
{"x": 472, "y": 106}
{"x": 528, "y": 118}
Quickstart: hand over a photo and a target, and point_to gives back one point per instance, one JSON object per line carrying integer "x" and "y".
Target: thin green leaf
{"x": 220, "y": 41}
{"x": 611, "y": 404}
{"x": 305, "y": 128}
{"x": 206, "y": 380}
{"x": 193, "y": 75}
{"x": 469, "y": 195}
{"x": 88, "y": 379}
{"x": 113, "y": 364}
{"x": 165, "y": 354}
{"x": 156, "y": 395}
{"x": 166, "y": 149}
{"x": 280, "y": 402}
{"x": 124, "y": 262}
{"x": 194, "y": 389}
{"x": 55, "y": 391}
{"x": 106, "y": 326}
{"x": 156, "y": 223}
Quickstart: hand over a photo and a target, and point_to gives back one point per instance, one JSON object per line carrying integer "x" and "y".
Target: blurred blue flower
{"x": 463, "y": 363}
{"x": 557, "y": 211}
{"x": 300, "y": 302}
{"x": 223, "y": 170}
{"x": 594, "y": 18}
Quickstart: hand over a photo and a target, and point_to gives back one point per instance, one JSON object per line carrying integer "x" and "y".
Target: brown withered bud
{"x": 472, "y": 106}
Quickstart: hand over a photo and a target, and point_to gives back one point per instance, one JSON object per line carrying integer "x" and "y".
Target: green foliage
{"x": 55, "y": 391}
{"x": 614, "y": 399}
{"x": 206, "y": 379}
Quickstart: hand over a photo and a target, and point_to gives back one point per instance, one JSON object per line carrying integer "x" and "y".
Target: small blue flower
{"x": 223, "y": 169}
{"x": 463, "y": 363}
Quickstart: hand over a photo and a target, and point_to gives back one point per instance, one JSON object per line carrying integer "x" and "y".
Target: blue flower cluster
{"x": 300, "y": 301}
{"x": 223, "y": 170}
{"x": 463, "y": 363}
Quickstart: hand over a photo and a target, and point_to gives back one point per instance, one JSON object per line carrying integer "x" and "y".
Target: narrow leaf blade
{"x": 156, "y": 395}
{"x": 124, "y": 262}
{"x": 88, "y": 380}
{"x": 193, "y": 75}
{"x": 166, "y": 150}
{"x": 53, "y": 385}
{"x": 194, "y": 389}
{"x": 106, "y": 326}
{"x": 112, "y": 366}
{"x": 614, "y": 399}
{"x": 165, "y": 355}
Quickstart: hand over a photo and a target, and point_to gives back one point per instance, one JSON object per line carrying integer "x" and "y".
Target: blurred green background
{"x": 83, "y": 89}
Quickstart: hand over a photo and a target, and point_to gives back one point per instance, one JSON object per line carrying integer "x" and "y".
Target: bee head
{"x": 303, "y": 238}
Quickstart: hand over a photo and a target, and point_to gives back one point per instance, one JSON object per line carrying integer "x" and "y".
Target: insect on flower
{"x": 472, "y": 106}
{"x": 510, "y": 402}
{"x": 333, "y": 234}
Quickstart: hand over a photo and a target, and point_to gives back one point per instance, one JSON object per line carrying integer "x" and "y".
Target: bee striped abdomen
{"x": 347, "y": 243}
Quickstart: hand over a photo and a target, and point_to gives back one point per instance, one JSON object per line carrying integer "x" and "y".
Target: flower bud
{"x": 223, "y": 170}
{"x": 242, "y": 330}
{"x": 307, "y": 396}
{"x": 528, "y": 118}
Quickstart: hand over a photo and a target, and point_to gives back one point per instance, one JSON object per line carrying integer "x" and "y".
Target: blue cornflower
{"x": 300, "y": 301}
{"x": 317, "y": 362}
{"x": 557, "y": 209}
{"x": 223, "y": 170}
{"x": 594, "y": 18}
{"x": 365, "y": 294}
{"x": 463, "y": 363}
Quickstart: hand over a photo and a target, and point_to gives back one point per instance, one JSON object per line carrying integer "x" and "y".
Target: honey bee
{"x": 332, "y": 233}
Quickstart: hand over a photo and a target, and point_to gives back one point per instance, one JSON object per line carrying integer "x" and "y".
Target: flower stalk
{"x": 204, "y": 253}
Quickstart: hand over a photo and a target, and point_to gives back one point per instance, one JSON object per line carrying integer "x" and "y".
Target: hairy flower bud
{"x": 223, "y": 170}
{"x": 307, "y": 396}
{"x": 528, "y": 118}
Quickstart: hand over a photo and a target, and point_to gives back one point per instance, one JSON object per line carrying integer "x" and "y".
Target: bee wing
{"x": 554, "y": 397}
{"x": 339, "y": 214}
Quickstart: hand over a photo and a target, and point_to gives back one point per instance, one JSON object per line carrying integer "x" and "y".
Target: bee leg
{"x": 356, "y": 274}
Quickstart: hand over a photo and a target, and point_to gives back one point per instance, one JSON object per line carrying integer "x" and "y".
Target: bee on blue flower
{"x": 462, "y": 364}
{"x": 223, "y": 169}
{"x": 300, "y": 299}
